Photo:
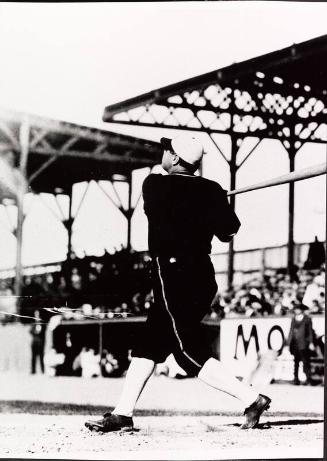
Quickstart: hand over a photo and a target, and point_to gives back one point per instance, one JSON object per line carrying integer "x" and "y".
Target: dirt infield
{"x": 44, "y": 418}
{"x": 161, "y": 437}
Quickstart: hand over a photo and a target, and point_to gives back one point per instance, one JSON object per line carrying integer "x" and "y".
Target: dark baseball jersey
{"x": 185, "y": 212}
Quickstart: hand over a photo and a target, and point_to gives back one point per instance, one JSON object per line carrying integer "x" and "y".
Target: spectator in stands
{"x": 137, "y": 304}
{"x": 315, "y": 292}
{"x": 76, "y": 298}
{"x": 108, "y": 363}
{"x": 32, "y": 293}
{"x": 267, "y": 302}
{"x": 62, "y": 293}
{"x": 90, "y": 363}
{"x": 288, "y": 299}
{"x": 37, "y": 331}
{"x": 68, "y": 266}
{"x": 93, "y": 288}
{"x": 252, "y": 309}
{"x": 148, "y": 301}
{"x": 301, "y": 342}
{"x": 49, "y": 289}
{"x": 125, "y": 311}
{"x": 316, "y": 255}
{"x": 69, "y": 350}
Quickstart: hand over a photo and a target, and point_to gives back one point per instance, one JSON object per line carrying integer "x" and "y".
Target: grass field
{"x": 44, "y": 418}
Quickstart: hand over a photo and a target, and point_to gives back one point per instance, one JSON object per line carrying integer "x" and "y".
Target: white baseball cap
{"x": 186, "y": 146}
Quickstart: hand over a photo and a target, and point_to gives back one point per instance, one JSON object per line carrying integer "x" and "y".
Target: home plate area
{"x": 42, "y": 417}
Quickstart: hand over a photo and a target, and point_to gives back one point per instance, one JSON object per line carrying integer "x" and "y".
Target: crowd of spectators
{"x": 118, "y": 285}
{"x": 112, "y": 285}
{"x": 274, "y": 293}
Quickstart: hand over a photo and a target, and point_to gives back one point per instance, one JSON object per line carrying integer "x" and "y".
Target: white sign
{"x": 241, "y": 340}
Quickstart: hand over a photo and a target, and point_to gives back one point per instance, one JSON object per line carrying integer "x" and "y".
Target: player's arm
{"x": 150, "y": 194}
{"x": 227, "y": 223}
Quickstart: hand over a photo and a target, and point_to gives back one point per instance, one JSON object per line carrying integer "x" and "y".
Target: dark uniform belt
{"x": 182, "y": 258}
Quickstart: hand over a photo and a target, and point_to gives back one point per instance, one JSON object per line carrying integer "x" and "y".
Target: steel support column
{"x": 69, "y": 224}
{"x": 233, "y": 170}
{"x": 19, "y": 247}
{"x": 290, "y": 244}
{"x": 129, "y": 212}
{"x": 24, "y": 148}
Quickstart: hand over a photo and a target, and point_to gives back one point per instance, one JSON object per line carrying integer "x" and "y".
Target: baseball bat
{"x": 310, "y": 172}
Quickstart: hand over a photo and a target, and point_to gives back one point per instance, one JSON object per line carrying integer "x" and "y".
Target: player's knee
{"x": 191, "y": 368}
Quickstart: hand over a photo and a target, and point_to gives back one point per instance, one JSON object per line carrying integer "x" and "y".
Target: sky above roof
{"x": 70, "y": 60}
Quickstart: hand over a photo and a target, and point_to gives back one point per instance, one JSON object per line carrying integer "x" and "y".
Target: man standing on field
{"x": 184, "y": 212}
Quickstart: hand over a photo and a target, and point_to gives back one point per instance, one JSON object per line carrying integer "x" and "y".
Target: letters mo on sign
{"x": 242, "y": 339}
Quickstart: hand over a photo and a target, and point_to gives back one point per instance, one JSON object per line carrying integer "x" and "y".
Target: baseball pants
{"x": 183, "y": 289}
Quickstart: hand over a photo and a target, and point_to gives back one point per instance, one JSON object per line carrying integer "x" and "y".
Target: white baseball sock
{"x": 218, "y": 376}
{"x": 138, "y": 373}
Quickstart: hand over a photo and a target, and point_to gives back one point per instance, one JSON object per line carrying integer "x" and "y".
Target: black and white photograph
{"x": 163, "y": 230}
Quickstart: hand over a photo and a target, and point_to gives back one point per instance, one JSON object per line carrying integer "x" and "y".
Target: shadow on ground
{"x": 55, "y": 408}
{"x": 288, "y": 422}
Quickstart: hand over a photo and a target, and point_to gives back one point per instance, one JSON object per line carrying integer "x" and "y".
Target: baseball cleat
{"x": 254, "y": 411}
{"x": 111, "y": 423}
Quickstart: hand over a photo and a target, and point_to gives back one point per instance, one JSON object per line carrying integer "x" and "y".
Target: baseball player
{"x": 184, "y": 212}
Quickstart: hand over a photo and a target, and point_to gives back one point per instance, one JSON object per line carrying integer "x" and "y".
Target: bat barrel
{"x": 310, "y": 172}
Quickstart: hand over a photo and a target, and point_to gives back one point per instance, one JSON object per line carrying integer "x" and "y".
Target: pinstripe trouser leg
{"x": 183, "y": 292}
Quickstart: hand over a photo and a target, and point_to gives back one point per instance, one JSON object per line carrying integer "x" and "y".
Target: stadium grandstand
{"x": 280, "y": 95}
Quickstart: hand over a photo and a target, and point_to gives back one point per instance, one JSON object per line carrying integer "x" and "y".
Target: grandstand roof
{"x": 61, "y": 154}
{"x": 265, "y": 96}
